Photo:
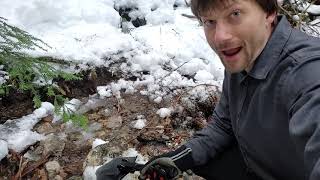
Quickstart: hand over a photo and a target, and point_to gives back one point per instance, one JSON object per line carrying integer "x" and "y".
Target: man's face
{"x": 238, "y": 32}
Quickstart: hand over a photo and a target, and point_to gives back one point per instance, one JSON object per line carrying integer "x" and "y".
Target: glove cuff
{"x": 182, "y": 157}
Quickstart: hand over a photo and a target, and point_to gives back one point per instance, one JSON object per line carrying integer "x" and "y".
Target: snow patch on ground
{"x": 98, "y": 142}
{"x": 90, "y": 173}
{"x": 3, "y": 149}
{"x": 164, "y": 112}
{"x": 18, "y": 134}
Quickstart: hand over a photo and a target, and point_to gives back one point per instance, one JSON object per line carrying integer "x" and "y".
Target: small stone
{"x": 96, "y": 156}
{"x": 114, "y": 122}
{"x": 296, "y": 18}
{"x": 53, "y": 144}
{"x": 53, "y": 166}
{"x": 107, "y": 112}
{"x": 57, "y": 177}
{"x": 121, "y": 101}
{"x": 166, "y": 138}
{"x": 32, "y": 156}
{"x": 160, "y": 129}
{"x": 48, "y": 118}
{"x": 44, "y": 128}
{"x": 75, "y": 178}
{"x": 53, "y": 169}
{"x": 94, "y": 117}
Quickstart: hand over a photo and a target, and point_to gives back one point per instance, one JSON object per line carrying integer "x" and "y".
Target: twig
{"x": 22, "y": 166}
{"x": 158, "y": 128}
{"x": 35, "y": 165}
{"x": 189, "y": 16}
{"x": 187, "y": 3}
{"x": 173, "y": 70}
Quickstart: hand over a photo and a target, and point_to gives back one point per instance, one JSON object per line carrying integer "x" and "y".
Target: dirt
{"x": 158, "y": 136}
{"x": 15, "y": 105}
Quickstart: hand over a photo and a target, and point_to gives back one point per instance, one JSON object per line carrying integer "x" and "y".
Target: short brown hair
{"x": 199, "y": 7}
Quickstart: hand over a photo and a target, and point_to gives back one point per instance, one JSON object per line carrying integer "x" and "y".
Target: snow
{"x": 304, "y": 6}
{"x": 18, "y": 134}
{"x": 3, "y": 148}
{"x": 203, "y": 75}
{"x": 158, "y": 100}
{"x": 3, "y": 75}
{"x": 89, "y": 32}
{"x": 98, "y": 142}
{"x": 131, "y": 152}
{"x": 164, "y": 112}
{"x": 90, "y": 173}
{"x": 139, "y": 124}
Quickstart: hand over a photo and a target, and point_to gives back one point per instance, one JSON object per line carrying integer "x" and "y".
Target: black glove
{"x": 168, "y": 166}
{"x": 117, "y": 168}
{"x": 160, "y": 169}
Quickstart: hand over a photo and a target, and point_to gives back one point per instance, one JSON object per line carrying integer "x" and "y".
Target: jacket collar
{"x": 269, "y": 57}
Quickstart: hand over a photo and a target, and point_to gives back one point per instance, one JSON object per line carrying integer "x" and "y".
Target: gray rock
{"x": 44, "y": 128}
{"x": 98, "y": 155}
{"x": 114, "y": 122}
{"x": 58, "y": 177}
{"x": 52, "y": 144}
{"x": 32, "y": 156}
{"x": 75, "y": 178}
{"x": 53, "y": 169}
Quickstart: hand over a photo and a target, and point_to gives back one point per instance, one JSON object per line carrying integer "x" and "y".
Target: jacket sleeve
{"x": 217, "y": 135}
{"x": 304, "y": 113}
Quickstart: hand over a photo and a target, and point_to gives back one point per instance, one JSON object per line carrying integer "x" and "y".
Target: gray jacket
{"x": 273, "y": 112}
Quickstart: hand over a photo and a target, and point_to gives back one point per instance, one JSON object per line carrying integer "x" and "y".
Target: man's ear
{"x": 271, "y": 18}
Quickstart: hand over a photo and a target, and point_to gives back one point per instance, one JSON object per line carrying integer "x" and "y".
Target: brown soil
{"x": 15, "y": 105}
{"x": 159, "y": 135}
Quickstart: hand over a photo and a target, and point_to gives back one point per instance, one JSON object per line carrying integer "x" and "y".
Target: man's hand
{"x": 117, "y": 168}
{"x": 160, "y": 169}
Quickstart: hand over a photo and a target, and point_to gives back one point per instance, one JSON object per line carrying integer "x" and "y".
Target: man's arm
{"x": 204, "y": 145}
{"x": 303, "y": 89}
{"x": 214, "y": 138}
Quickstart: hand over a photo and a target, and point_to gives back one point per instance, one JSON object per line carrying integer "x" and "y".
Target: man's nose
{"x": 222, "y": 33}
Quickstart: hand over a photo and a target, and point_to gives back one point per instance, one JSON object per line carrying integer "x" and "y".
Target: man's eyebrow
{"x": 231, "y": 6}
{"x": 226, "y": 6}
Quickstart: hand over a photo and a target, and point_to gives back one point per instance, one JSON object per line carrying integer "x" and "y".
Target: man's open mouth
{"x": 231, "y": 52}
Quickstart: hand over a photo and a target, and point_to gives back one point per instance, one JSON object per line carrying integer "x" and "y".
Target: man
{"x": 267, "y": 123}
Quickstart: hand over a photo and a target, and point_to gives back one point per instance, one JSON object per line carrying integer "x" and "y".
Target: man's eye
{"x": 209, "y": 23}
{"x": 236, "y": 13}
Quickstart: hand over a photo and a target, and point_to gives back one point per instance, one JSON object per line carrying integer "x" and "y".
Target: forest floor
{"x": 112, "y": 121}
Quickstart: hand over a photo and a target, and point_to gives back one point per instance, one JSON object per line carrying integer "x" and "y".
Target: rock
{"x": 165, "y": 137}
{"x": 57, "y": 177}
{"x": 32, "y": 156}
{"x": 114, "y": 122}
{"x": 53, "y": 144}
{"x": 53, "y": 169}
{"x": 75, "y": 136}
{"x": 94, "y": 117}
{"x": 75, "y": 178}
{"x": 107, "y": 112}
{"x": 44, "y": 128}
{"x": 139, "y": 22}
{"x": 96, "y": 156}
